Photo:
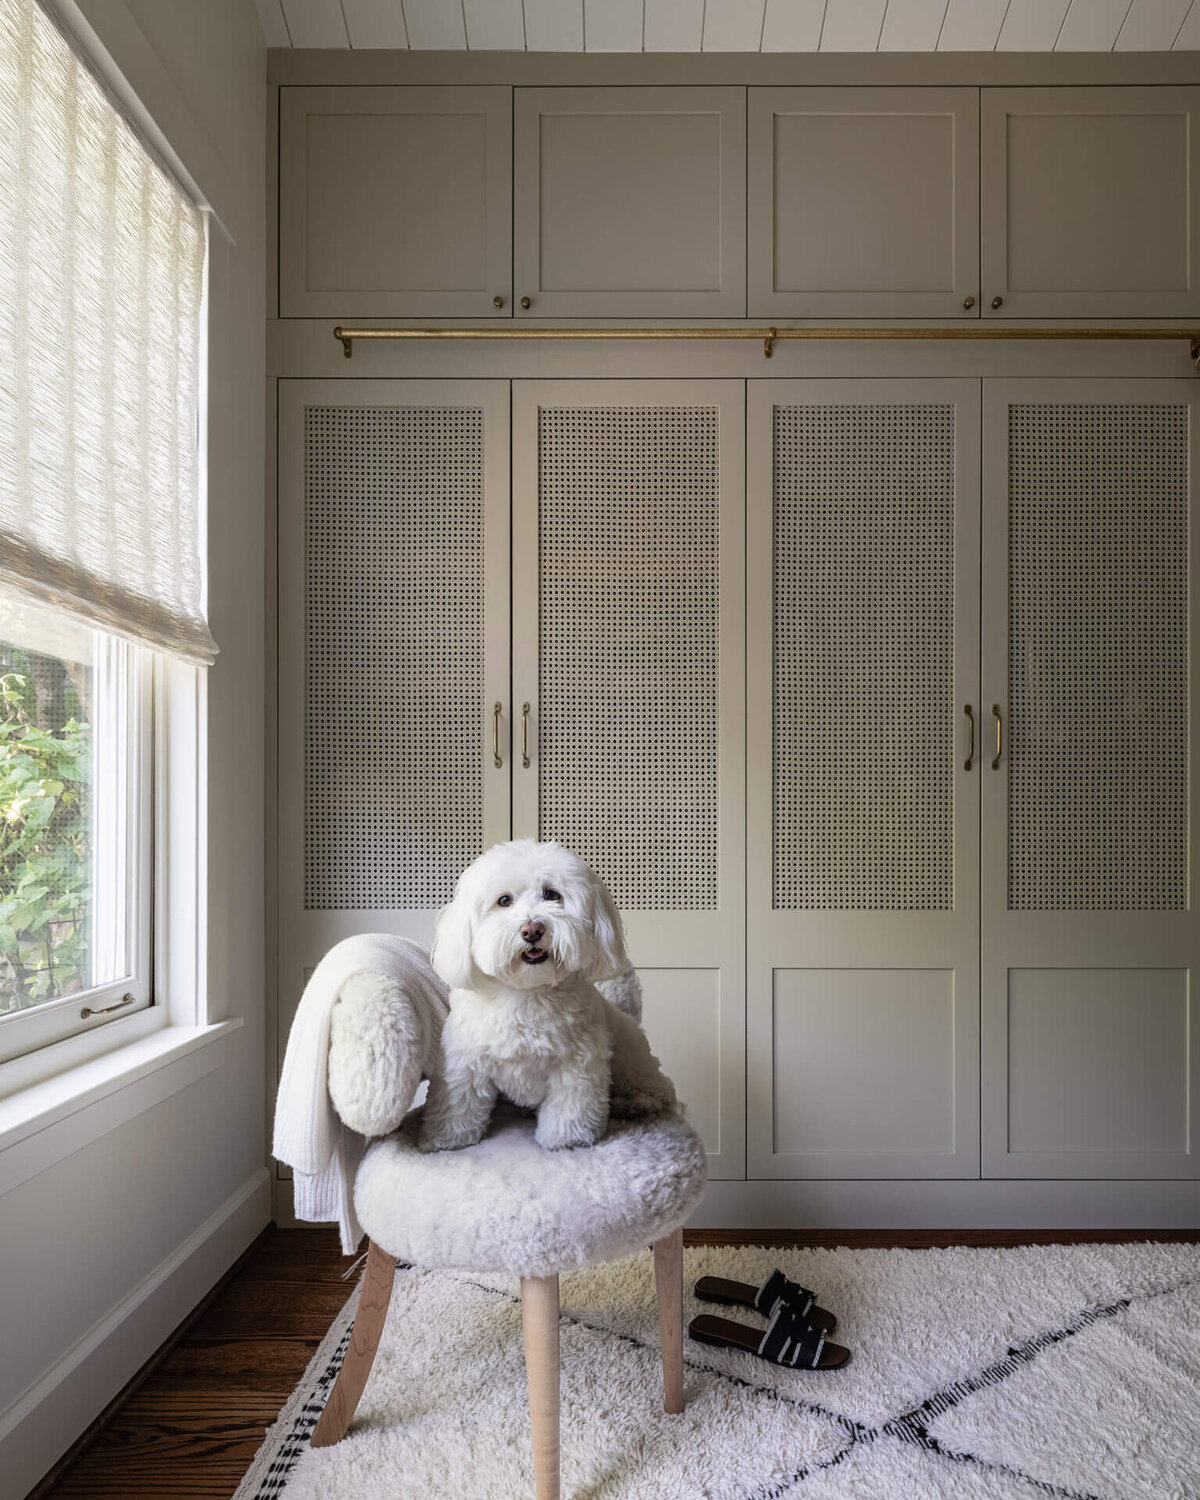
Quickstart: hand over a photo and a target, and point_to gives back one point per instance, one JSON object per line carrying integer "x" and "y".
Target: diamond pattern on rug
{"x": 1105, "y": 1410}
{"x": 1067, "y": 1372}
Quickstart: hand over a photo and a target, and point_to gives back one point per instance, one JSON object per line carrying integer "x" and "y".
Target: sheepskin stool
{"x": 507, "y": 1206}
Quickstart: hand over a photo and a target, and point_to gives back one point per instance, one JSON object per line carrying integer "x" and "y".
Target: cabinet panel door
{"x": 1090, "y": 202}
{"x": 630, "y": 202}
{"x": 863, "y": 814}
{"x": 629, "y": 650}
{"x": 395, "y": 202}
{"x": 1091, "y": 1047}
{"x": 393, "y": 651}
{"x": 863, "y": 202}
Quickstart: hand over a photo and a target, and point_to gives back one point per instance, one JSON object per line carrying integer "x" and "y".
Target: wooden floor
{"x": 193, "y": 1425}
{"x": 202, "y": 1404}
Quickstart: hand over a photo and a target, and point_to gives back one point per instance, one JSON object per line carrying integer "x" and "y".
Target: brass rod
{"x": 769, "y": 336}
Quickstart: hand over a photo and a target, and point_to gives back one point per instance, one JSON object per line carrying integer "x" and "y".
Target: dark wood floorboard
{"x": 190, "y": 1426}
{"x": 193, "y": 1425}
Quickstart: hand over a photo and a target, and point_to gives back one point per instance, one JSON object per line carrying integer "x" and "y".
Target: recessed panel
{"x": 1098, "y": 656}
{"x": 629, "y": 506}
{"x": 630, "y": 201}
{"x": 681, "y": 1014}
{"x": 1098, "y": 203}
{"x": 863, "y": 1061}
{"x": 863, "y": 691}
{"x": 1098, "y": 1060}
{"x": 394, "y": 653}
{"x": 396, "y": 202}
{"x": 864, "y": 202}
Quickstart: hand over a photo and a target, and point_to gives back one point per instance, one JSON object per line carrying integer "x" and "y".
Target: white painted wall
{"x": 104, "y": 1253}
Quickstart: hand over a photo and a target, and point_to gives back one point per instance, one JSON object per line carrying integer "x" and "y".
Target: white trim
{"x": 42, "y": 1124}
{"x": 181, "y": 845}
{"x": 949, "y": 1204}
{"x": 52, "y": 1411}
{"x": 987, "y": 1203}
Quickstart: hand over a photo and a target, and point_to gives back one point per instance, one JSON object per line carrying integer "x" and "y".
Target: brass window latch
{"x": 104, "y": 1010}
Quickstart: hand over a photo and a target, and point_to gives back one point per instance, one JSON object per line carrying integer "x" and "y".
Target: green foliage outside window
{"x": 45, "y": 830}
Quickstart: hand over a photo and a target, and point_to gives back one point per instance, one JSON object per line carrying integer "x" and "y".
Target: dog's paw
{"x": 562, "y": 1135}
{"x": 447, "y": 1140}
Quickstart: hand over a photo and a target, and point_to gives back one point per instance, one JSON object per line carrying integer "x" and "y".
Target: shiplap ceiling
{"x": 737, "y": 25}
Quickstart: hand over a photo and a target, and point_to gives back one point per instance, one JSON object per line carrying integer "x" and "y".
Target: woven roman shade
{"x": 101, "y": 284}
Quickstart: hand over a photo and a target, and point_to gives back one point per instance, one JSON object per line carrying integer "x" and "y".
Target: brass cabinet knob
{"x": 497, "y": 301}
{"x": 526, "y": 303}
{"x": 969, "y": 303}
{"x": 997, "y": 302}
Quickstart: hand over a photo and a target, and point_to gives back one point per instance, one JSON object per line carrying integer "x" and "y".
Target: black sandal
{"x": 789, "y": 1341}
{"x": 777, "y": 1291}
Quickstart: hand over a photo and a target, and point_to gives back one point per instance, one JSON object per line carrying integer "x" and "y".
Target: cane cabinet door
{"x": 395, "y": 202}
{"x": 863, "y": 806}
{"x": 630, "y": 202}
{"x": 628, "y": 691}
{"x": 394, "y": 714}
{"x": 1090, "y": 202}
{"x": 1091, "y": 1042}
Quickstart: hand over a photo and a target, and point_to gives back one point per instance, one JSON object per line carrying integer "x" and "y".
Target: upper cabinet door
{"x": 395, "y": 202}
{"x": 1090, "y": 202}
{"x": 863, "y": 203}
{"x": 630, "y": 202}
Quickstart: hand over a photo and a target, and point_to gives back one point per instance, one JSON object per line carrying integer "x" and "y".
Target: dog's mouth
{"x": 534, "y": 955}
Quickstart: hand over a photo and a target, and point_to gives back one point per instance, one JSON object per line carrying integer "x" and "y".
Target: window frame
{"x": 42, "y": 1025}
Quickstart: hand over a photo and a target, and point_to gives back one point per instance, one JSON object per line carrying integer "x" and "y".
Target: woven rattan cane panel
{"x": 394, "y": 658}
{"x": 863, "y": 734}
{"x": 629, "y": 652}
{"x": 1098, "y": 657}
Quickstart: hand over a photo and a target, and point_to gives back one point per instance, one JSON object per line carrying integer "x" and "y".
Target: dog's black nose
{"x": 532, "y": 931}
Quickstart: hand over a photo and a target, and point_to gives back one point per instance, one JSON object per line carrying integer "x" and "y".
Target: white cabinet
{"x": 630, "y": 202}
{"x": 903, "y": 907}
{"x": 393, "y": 652}
{"x": 863, "y": 202}
{"x": 1090, "y": 202}
{"x": 628, "y": 670}
{"x": 1091, "y": 1043}
{"x": 863, "y": 816}
{"x": 395, "y": 202}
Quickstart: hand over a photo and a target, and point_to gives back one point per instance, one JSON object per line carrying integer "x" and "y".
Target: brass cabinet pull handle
{"x": 525, "y": 735}
{"x": 970, "y": 760}
{"x": 968, "y": 303}
{"x": 496, "y": 761}
{"x": 120, "y": 1005}
{"x": 999, "y": 736}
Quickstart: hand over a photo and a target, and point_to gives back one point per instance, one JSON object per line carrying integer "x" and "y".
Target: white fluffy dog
{"x": 529, "y": 932}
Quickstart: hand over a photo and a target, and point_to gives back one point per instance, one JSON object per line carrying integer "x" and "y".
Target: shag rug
{"x": 989, "y": 1374}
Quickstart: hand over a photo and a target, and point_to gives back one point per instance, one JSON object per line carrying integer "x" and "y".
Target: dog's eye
{"x": 550, "y": 894}
{"x": 504, "y": 901}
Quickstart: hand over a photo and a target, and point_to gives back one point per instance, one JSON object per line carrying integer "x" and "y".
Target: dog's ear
{"x": 608, "y": 932}
{"x": 451, "y": 952}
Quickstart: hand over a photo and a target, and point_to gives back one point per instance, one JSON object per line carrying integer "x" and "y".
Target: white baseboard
{"x": 43, "y": 1422}
{"x": 973, "y": 1203}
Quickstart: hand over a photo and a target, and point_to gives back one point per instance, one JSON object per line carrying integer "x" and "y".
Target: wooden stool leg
{"x": 668, "y": 1278}
{"x": 360, "y": 1356}
{"x": 539, "y": 1312}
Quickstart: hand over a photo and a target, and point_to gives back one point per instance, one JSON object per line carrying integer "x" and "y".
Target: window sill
{"x": 57, "y": 1116}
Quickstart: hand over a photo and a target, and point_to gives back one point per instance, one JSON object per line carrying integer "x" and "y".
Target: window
{"x": 74, "y": 827}
{"x": 102, "y": 268}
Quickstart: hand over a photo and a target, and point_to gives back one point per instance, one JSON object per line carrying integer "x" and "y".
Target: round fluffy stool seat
{"x": 507, "y": 1205}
